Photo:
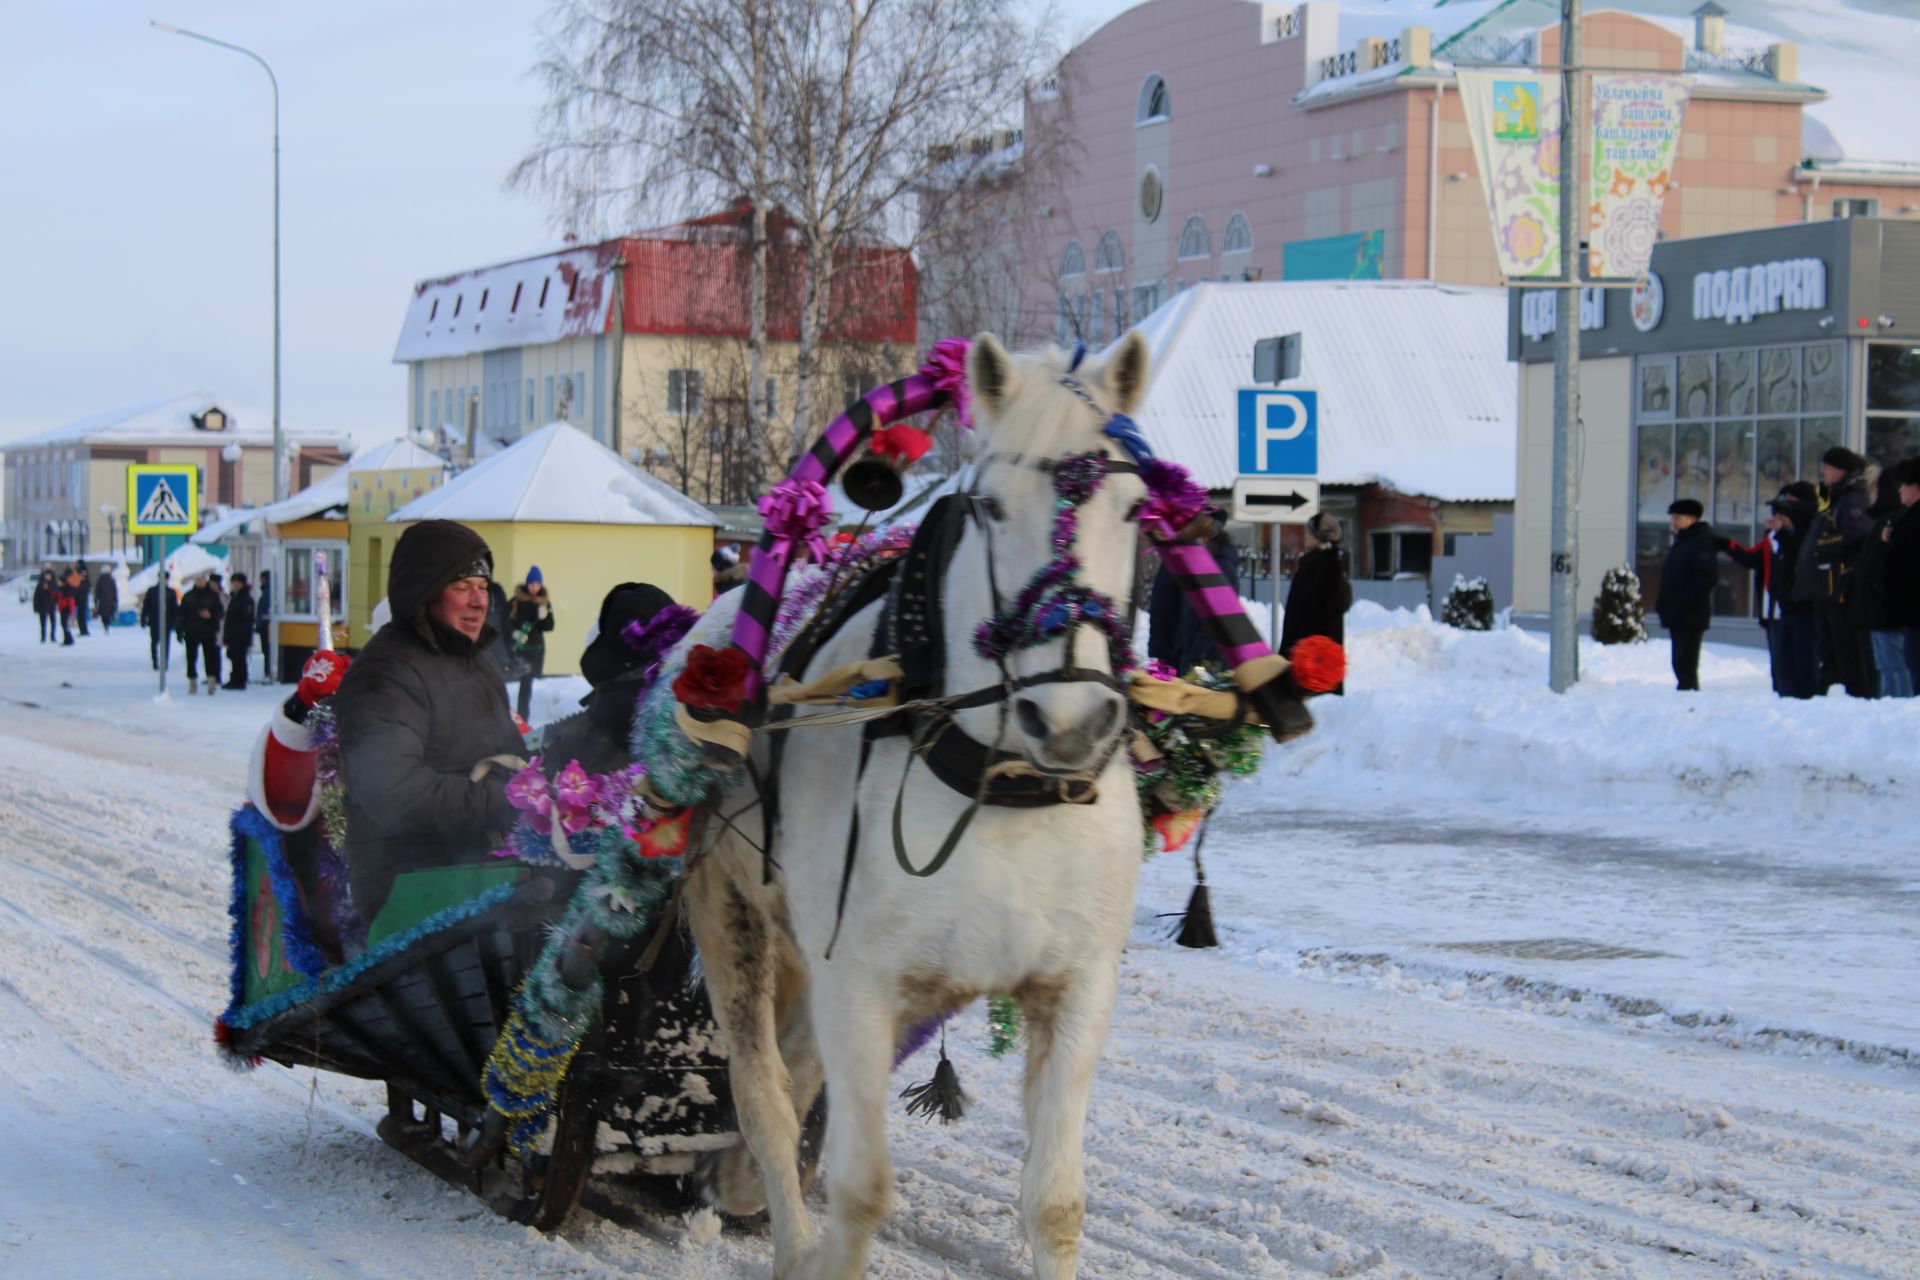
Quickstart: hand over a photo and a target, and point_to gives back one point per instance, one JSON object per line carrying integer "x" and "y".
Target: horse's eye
{"x": 1133, "y": 512}
{"x": 995, "y": 512}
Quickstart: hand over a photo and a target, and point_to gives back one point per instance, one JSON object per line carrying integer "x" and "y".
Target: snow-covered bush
{"x": 1617, "y": 616}
{"x": 1469, "y": 605}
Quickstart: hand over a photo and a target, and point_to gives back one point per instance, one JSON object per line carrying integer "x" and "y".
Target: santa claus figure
{"x": 282, "y": 778}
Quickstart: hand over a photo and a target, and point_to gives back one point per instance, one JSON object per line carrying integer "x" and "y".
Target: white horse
{"x": 1034, "y": 903}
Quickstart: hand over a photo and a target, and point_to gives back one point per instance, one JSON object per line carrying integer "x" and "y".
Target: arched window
{"x": 1073, "y": 262}
{"x": 1194, "y": 240}
{"x": 1155, "y": 105}
{"x": 1109, "y": 256}
{"x": 1239, "y": 236}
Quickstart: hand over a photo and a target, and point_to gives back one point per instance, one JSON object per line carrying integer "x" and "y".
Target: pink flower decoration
{"x": 574, "y": 795}
{"x": 1160, "y": 670}
{"x": 796, "y": 511}
{"x": 528, "y": 790}
{"x": 947, "y": 366}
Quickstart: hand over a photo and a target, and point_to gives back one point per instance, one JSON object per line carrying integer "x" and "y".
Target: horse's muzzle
{"x": 1076, "y": 746}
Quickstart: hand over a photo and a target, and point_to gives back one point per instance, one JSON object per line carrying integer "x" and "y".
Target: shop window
{"x": 1822, "y": 382}
{"x": 1780, "y": 380}
{"x": 1893, "y": 377}
{"x": 1893, "y": 439}
{"x": 1400, "y": 553}
{"x": 1656, "y": 389}
{"x": 1696, "y": 387}
{"x": 1776, "y": 457}
{"x": 1733, "y": 478}
{"x": 1735, "y": 383}
{"x": 1693, "y": 463}
{"x": 1817, "y": 436}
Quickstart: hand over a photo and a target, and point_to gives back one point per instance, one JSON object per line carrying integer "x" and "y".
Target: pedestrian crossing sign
{"x": 163, "y": 499}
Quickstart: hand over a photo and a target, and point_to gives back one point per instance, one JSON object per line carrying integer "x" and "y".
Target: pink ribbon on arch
{"x": 795, "y": 512}
{"x": 946, "y": 364}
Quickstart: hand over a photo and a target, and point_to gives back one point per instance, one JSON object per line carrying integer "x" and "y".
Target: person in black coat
{"x": 529, "y": 618}
{"x": 46, "y": 606}
{"x": 236, "y": 631}
{"x": 158, "y": 640}
{"x": 1685, "y": 603}
{"x": 1826, "y": 561}
{"x": 600, "y": 736}
{"x": 82, "y": 595}
{"x": 1895, "y": 550}
{"x": 201, "y": 610}
{"x": 1774, "y": 560}
{"x": 1320, "y": 593}
{"x": 106, "y": 600}
{"x": 263, "y": 623}
{"x": 420, "y": 707}
{"x": 1175, "y": 634}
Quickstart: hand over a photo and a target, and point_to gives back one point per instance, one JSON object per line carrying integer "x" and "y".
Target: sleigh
{"x": 422, "y": 1005}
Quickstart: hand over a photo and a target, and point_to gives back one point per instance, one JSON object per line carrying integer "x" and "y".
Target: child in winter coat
{"x": 529, "y": 618}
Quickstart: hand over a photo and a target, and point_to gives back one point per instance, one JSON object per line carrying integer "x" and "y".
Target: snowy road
{"x": 1368, "y": 1108}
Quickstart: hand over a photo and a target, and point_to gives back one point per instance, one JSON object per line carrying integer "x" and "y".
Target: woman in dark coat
{"x": 1320, "y": 594}
{"x": 106, "y": 599}
{"x": 46, "y": 605}
{"x": 529, "y": 618}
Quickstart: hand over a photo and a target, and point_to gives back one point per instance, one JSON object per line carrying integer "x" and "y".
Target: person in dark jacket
{"x": 46, "y": 606}
{"x": 421, "y": 707}
{"x": 82, "y": 584}
{"x": 599, "y": 737}
{"x": 158, "y": 641}
{"x": 1685, "y": 604}
{"x": 1773, "y": 559}
{"x": 200, "y": 612}
{"x": 1175, "y": 633}
{"x": 1320, "y": 594}
{"x": 69, "y": 599}
{"x": 1889, "y": 570}
{"x": 236, "y": 631}
{"x": 106, "y": 600}
{"x": 1826, "y": 557}
{"x": 263, "y": 623}
{"x": 529, "y": 618}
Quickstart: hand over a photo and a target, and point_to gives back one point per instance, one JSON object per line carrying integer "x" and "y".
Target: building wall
{"x": 1605, "y": 459}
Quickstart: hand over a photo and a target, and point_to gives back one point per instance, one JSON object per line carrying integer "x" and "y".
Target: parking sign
{"x": 1279, "y": 432}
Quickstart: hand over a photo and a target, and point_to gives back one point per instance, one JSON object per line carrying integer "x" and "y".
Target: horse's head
{"x": 1040, "y": 592}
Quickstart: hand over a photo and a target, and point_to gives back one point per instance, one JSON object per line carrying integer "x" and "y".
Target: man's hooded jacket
{"x": 419, "y": 707}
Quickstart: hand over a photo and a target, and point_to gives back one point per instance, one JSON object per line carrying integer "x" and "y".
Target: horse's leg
{"x": 1066, "y": 1026}
{"x": 737, "y": 947}
{"x": 855, "y": 1024}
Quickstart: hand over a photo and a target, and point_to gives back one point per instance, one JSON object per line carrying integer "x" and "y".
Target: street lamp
{"x": 279, "y": 435}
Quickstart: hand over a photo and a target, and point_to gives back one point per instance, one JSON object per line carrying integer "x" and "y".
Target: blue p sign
{"x": 1279, "y": 432}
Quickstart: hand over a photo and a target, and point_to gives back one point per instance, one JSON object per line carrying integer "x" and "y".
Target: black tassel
{"x": 1196, "y": 925}
{"x": 1196, "y": 922}
{"x": 941, "y": 1096}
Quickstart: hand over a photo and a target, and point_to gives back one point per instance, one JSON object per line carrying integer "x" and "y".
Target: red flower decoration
{"x": 714, "y": 679}
{"x": 1319, "y": 664}
{"x": 900, "y": 444}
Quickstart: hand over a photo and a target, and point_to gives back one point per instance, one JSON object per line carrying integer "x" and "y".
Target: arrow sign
{"x": 1276, "y": 499}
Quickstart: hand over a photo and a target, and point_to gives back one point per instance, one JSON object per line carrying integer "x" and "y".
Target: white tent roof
{"x": 1415, "y": 388}
{"x": 394, "y": 455}
{"x": 561, "y": 476}
{"x": 184, "y": 563}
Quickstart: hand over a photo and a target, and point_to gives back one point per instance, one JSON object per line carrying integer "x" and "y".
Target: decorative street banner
{"x": 1514, "y": 120}
{"x": 1636, "y": 125}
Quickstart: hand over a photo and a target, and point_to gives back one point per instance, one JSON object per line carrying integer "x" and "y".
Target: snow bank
{"x": 1438, "y": 717}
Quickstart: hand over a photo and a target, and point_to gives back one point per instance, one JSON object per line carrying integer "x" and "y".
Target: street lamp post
{"x": 279, "y": 434}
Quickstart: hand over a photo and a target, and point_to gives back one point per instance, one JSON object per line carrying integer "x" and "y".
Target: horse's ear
{"x": 990, "y": 373}
{"x": 1124, "y": 376}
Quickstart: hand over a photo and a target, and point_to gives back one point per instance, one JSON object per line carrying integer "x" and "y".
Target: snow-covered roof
{"x": 516, "y": 304}
{"x": 310, "y": 501}
{"x": 1415, "y": 389}
{"x": 232, "y": 521}
{"x": 393, "y": 455}
{"x": 559, "y": 475}
{"x": 170, "y": 422}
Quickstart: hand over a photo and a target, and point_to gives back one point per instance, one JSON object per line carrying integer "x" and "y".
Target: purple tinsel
{"x": 946, "y": 364}
{"x": 1173, "y": 499}
{"x": 806, "y": 591}
{"x": 330, "y": 863}
{"x": 654, "y": 637}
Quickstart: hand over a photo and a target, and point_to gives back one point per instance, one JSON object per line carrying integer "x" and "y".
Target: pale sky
{"x": 139, "y": 209}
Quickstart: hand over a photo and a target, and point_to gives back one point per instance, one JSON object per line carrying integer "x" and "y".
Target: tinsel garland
{"x": 331, "y": 865}
{"x": 807, "y": 589}
{"x": 1003, "y": 1025}
{"x": 1188, "y": 774}
{"x": 607, "y": 817}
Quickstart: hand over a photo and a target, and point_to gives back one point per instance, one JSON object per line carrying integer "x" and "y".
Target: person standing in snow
{"x": 421, "y": 706}
{"x": 263, "y": 623}
{"x": 1320, "y": 594}
{"x": 158, "y": 640}
{"x": 1685, "y": 604}
{"x": 106, "y": 600}
{"x": 46, "y": 606}
{"x": 1773, "y": 559}
{"x": 529, "y": 618}
{"x": 236, "y": 631}
{"x": 200, "y": 614}
{"x": 66, "y": 597}
{"x": 1826, "y": 557}
{"x": 82, "y": 584}
{"x": 1893, "y": 587}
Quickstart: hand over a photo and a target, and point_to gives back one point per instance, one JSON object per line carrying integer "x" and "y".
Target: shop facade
{"x": 1744, "y": 358}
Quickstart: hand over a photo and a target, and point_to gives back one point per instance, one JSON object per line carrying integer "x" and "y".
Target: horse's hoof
{"x": 729, "y": 1181}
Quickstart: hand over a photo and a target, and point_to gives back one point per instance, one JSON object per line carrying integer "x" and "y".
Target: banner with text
{"x": 1636, "y": 126}
{"x": 1513, "y": 118}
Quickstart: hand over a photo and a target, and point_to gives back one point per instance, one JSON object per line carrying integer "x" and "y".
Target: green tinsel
{"x": 1192, "y": 768}
{"x": 1003, "y": 1025}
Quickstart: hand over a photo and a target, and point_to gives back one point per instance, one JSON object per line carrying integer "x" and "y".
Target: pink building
{"x": 1191, "y": 140}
